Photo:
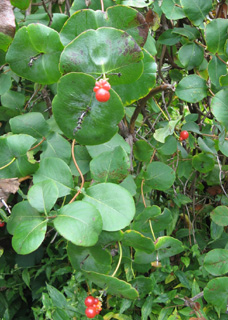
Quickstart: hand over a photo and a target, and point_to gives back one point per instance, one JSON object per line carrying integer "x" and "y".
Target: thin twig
{"x": 38, "y": 144}
{"x": 33, "y": 95}
{"x": 81, "y": 175}
{"x": 220, "y": 176}
{"x": 102, "y": 5}
{"x": 46, "y": 10}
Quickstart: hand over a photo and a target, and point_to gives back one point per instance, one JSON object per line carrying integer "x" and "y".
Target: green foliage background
{"x": 120, "y": 208}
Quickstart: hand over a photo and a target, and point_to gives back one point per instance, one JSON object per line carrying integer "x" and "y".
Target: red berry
{"x": 2, "y": 224}
{"x": 96, "y": 300}
{"x": 89, "y": 301}
{"x": 184, "y": 135}
{"x": 106, "y": 86}
{"x": 96, "y": 88}
{"x": 90, "y": 312}
{"x": 102, "y": 95}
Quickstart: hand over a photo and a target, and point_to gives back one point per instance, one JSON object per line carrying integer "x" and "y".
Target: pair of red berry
{"x": 102, "y": 88}
{"x": 2, "y": 224}
{"x": 93, "y": 306}
{"x": 184, "y": 135}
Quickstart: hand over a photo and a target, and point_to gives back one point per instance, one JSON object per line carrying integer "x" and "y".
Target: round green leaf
{"x": 171, "y": 10}
{"x": 143, "y": 285}
{"x": 42, "y": 196}
{"x": 216, "y": 293}
{"x": 21, "y": 212}
{"x": 191, "y": 55}
{"x": 28, "y": 228}
{"x": 32, "y": 123}
{"x": 159, "y": 176}
{"x": 142, "y": 150}
{"x": 118, "y": 17}
{"x": 203, "y": 163}
{"x": 115, "y": 204}
{"x": 92, "y": 52}
{"x": 81, "y": 4}
{"x": 220, "y": 215}
{"x": 14, "y": 148}
{"x": 196, "y": 10}
{"x": 80, "y": 223}
{"x": 140, "y": 88}
{"x": 219, "y": 107}
{"x": 215, "y": 262}
{"x": 113, "y": 285}
{"x": 192, "y": 89}
{"x": 216, "y": 35}
{"x": 110, "y": 166}
{"x": 5, "y": 41}
{"x": 216, "y": 68}
{"x": 94, "y": 258}
{"x": 74, "y": 96}
{"x": 34, "y": 54}
{"x": 57, "y": 170}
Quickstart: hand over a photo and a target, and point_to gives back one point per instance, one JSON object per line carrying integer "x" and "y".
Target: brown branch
{"x": 81, "y": 175}
{"x": 46, "y": 9}
{"x": 38, "y": 144}
{"x": 143, "y": 101}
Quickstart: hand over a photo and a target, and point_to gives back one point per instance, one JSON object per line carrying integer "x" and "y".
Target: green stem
{"x": 120, "y": 258}
{"x": 152, "y": 231}
{"x": 8, "y": 164}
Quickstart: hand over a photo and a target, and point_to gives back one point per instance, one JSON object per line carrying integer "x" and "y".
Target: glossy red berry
{"x": 184, "y": 135}
{"x": 89, "y": 301}
{"x": 2, "y": 224}
{"x": 90, "y": 312}
{"x": 96, "y": 300}
{"x": 102, "y": 95}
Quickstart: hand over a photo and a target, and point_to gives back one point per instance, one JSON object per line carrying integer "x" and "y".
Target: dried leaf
{"x": 8, "y": 186}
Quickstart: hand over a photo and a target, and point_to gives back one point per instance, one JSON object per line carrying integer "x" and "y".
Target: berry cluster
{"x": 93, "y": 306}
{"x": 2, "y": 224}
{"x": 102, "y": 88}
{"x": 184, "y": 135}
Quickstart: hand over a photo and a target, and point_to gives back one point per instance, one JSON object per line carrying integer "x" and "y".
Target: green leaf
{"x": 21, "y": 4}
{"x": 57, "y": 297}
{"x": 93, "y": 53}
{"x": 74, "y": 96}
{"x": 32, "y": 123}
{"x": 116, "y": 211}
{"x": 216, "y": 35}
{"x": 189, "y": 32}
{"x": 95, "y": 258}
{"x": 13, "y": 100}
{"x": 57, "y": 170}
{"x": 191, "y": 55}
{"x": 216, "y": 68}
{"x": 136, "y": 3}
{"x": 215, "y": 262}
{"x": 196, "y": 10}
{"x": 79, "y": 222}
{"x": 5, "y": 82}
{"x": 172, "y": 11}
{"x": 140, "y": 88}
{"x": 216, "y": 293}
{"x": 220, "y": 216}
{"x": 83, "y": 160}
{"x": 203, "y": 163}
{"x": 142, "y": 150}
{"x": 56, "y": 146}
{"x": 113, "y": 285}
{"x": 5, "y": 41}
{"x": 143, "y": 285}
{"x": 42, "y": 196}
{"x": 169, "y": 38}
{"x": 29, "y": 234}
{"x": 80, "y": 4}
{"x": 137, "y": 240}
{"x": 129, "y": 184}
{"x": 191, "y": 89}
{"x": 118, "y": 17}
{"x": 34, "y": 54}
{"x": 16, "y": 147}
{"x": 117, "y": 140}
{"x": 110, "y": 166}
{"x": 219, "y": 107}
{"x": 159, "y": 176}
{"x": 162, "y": 133}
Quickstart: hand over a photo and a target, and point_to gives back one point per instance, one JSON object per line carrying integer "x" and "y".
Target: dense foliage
{"x": 113, "y": 146}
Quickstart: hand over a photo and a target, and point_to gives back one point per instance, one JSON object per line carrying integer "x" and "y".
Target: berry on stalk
{"x": 184, "y": 135}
